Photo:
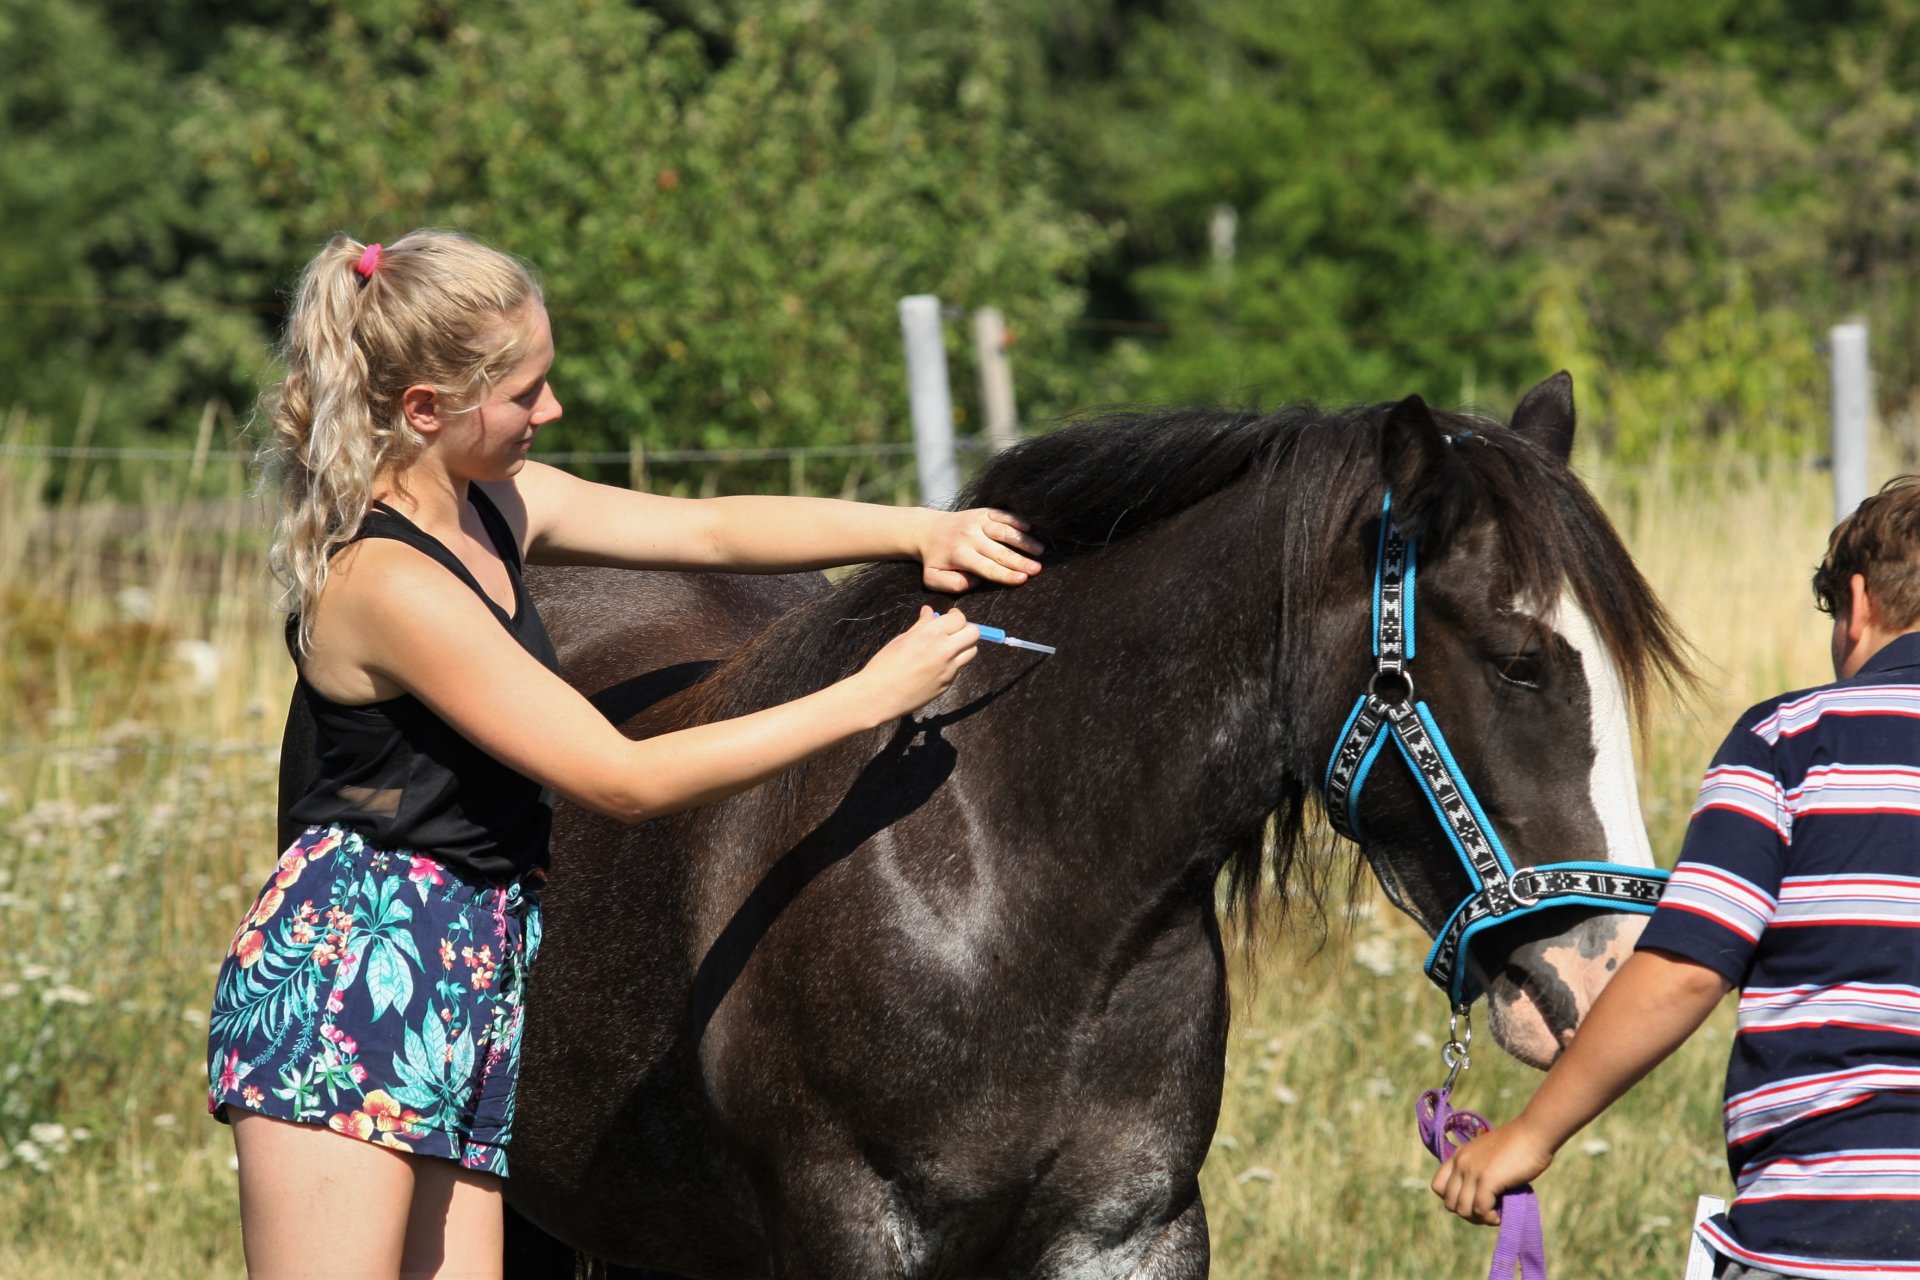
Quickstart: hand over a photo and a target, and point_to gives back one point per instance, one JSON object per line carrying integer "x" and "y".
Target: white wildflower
{"x": 1595, "y": 1147}
{"x": 202, "y": 663}
{"x": 66, "y": 993}
{"x": 1258, "y": 1173}
{"x": 1378, "y": 956}
{"x": 1284, "y": 1096}
{"x": 95, "y": 815}
{"x": 133, "y": 604}
{"x": 165, "y": 1120}
{"x": 52, "y": 1137}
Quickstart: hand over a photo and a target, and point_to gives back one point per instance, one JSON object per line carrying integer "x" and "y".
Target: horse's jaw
{"x": 1537, "y": 1001}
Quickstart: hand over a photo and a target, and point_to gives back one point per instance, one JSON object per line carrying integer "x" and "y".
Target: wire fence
{"x": 879, "y": 471}
{"x": 105, "y": 453}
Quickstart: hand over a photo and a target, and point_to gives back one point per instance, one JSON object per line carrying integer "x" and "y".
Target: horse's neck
{"x": 1154, "y": 723}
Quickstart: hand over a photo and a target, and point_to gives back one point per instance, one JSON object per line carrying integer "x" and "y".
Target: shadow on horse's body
{"x": 949, "y": 999}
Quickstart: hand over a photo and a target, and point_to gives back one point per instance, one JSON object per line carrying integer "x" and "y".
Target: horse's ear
{"x": 1433, "y": 493}
{"x": 1545, "y": 414}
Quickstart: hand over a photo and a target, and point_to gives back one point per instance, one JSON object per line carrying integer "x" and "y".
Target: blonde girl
{"x": 365, "y": 1031}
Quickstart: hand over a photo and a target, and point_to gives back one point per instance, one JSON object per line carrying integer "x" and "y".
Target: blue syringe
{"x": 995, "y": 635}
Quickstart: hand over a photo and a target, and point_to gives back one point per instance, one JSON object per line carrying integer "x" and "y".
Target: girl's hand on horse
{"x": 1472, "y": 1181}
{"x": 916, "y": 666}
{"x": 960, "y": 548}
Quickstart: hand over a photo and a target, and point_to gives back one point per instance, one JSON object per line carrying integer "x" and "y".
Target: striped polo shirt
{"x": 1800, "y": 883}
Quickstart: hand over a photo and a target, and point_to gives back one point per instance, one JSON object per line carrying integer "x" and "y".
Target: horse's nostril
{"x": 1542, "y": 983}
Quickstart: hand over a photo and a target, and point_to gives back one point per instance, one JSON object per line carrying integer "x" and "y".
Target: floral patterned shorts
{"x": 378, "y": 993}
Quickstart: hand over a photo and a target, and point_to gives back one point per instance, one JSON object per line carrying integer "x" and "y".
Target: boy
{"x": 1799, "y": 882}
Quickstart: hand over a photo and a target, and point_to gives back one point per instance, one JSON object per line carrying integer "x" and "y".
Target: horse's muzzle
{"x": 1537, "y": 999}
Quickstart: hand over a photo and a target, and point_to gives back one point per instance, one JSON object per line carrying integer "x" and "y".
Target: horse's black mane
{"x": 1095, "y": 483}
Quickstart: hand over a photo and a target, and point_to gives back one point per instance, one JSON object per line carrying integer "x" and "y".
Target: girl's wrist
{"x": 921, "y": 528}
{"x": 859, "y": 705}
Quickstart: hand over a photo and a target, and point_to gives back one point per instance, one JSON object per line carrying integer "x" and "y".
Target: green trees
{"x": 722, "y": 223}
{"x": 726, "y": 198}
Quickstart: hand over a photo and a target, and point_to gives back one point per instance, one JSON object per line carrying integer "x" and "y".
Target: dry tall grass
{"x": 141, "y": 682}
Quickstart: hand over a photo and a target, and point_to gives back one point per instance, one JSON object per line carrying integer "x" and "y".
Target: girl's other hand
{"x": 916, "y": 666}
{"x": 960, "y": 548}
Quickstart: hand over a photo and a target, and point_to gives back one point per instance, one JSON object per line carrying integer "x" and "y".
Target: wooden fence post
{"x": 990, "y": 342}
{"x": 1852, "y": 398}
{"x": 932, "y": 399}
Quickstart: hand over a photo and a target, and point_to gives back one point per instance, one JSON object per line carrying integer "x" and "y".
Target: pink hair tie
{"x": 369, "y": 262}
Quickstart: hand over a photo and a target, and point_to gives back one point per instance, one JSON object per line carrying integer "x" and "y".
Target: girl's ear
{"x": 421, "y": 406}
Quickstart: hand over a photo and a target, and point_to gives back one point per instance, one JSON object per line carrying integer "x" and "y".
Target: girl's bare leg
{"x": 318, "y": 1203}
{"x": 457, "y": 1224}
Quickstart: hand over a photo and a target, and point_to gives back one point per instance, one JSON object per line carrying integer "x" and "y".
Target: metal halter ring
{"x": 1398, "y": 675}
{"x": 1459, "y": 1041}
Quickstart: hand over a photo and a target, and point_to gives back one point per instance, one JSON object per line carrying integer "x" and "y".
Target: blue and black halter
{"x": 1388, "y": 708}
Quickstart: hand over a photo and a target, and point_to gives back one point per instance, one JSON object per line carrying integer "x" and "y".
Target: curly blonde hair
{"x": 437, "y": 309}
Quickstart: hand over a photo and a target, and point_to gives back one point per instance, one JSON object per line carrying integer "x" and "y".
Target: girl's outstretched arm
{"x": 1652, "y": 1005}
{"x": 563, "y": 519}
{"x": 394, "y": 621}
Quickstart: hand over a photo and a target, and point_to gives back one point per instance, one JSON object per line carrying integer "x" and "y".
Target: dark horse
{"x": 950, "y": 999}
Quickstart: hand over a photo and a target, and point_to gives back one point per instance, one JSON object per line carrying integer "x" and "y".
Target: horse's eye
{"x": 1523, "y": 669}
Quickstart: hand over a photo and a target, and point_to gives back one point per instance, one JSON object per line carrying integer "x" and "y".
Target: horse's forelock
{"x": 1554, "y": 538}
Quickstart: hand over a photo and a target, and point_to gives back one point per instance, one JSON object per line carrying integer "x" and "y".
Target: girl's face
{"x": 492, "y": 439}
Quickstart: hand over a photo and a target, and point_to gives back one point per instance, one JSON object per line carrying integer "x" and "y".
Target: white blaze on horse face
{"x": 1581, "y": 962}
{"x": 1613, "y": 789}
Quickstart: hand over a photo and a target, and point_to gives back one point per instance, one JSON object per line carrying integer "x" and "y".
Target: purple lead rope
{"x": 1521, "y": 1243}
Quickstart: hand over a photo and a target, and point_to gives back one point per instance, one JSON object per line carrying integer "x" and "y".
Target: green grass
{"x": 136, "y": 816}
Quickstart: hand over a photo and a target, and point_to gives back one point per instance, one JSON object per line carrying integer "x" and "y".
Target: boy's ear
{"x": 1860, "y": 607}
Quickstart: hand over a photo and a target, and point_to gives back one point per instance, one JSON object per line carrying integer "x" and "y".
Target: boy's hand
{"x": 1472, "y": 1181}
{"x": 958, "y": 548}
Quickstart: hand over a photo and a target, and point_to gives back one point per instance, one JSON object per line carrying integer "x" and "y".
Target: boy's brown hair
{"x": 1881, "y": 542}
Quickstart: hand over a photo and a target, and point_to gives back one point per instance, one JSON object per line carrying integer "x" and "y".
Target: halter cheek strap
{"x": 1388, "y": 710}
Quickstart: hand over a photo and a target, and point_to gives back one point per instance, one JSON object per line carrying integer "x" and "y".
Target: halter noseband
{"x": 1500, "y": 891}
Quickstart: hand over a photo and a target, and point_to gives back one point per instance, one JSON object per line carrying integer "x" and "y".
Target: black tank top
{"x": 406, "y": 779}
